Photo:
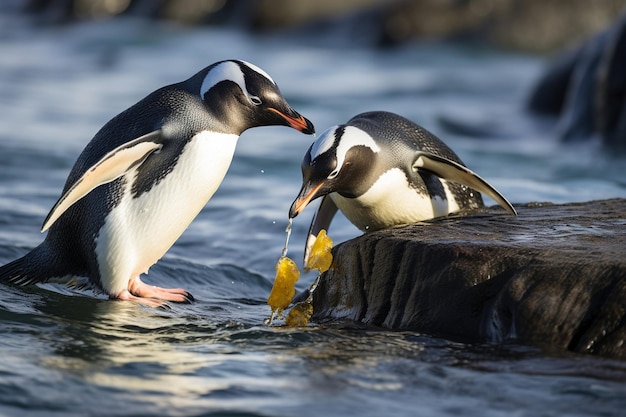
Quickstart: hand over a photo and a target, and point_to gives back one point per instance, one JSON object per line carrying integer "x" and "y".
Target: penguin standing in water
{"x": 146, "y": 175}
{"x": 382, "y": 170}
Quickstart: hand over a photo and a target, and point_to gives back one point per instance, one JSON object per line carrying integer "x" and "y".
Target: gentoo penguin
{"x": 382, "y": 170}
{"x": 146, "y": 175}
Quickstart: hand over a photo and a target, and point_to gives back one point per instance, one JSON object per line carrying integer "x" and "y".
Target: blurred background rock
{"x": 530, "y": 25}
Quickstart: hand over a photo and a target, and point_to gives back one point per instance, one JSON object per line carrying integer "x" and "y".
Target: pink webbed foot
{"x": 152, "y": 296}
{"x": 148, "y": 302}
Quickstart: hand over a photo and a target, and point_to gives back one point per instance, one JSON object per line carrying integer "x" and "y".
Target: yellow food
{"x": 287, "y": 273}
{"x": 299, "y": 315}
{"x": 321, "y": 256}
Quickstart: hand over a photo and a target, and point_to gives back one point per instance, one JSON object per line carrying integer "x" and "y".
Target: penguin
{"x": 382, "y": 170}
{"x": 145, "y": 176}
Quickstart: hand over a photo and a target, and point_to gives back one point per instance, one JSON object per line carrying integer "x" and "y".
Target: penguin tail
{"x": 30, "y": 269}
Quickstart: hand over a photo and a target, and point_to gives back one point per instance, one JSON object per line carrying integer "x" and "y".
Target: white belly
{"x": 392, "y": 202}
{"x": 139, "y": 231}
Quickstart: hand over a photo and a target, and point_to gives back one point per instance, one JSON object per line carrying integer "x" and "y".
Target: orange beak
{"x": 297, "y": 121}
{"x": 303, "y": 199}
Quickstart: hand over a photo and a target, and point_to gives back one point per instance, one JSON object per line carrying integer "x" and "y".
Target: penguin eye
{"x": 256, "y": 100}
{"x": 333, "y": 174}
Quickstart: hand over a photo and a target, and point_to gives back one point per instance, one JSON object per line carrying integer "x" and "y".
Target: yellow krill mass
{"x": 299, "y": 315}
{"x": 321, "y": 256}
{"x": 287, "y": 273}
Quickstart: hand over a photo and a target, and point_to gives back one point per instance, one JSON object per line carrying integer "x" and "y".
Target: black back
{"x": 403, "y": 137}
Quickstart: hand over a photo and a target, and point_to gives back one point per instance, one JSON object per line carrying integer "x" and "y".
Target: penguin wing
{"x": 453, "y": 171}
{"x": 113, "y": 165}
{"x": 321, "y": 220}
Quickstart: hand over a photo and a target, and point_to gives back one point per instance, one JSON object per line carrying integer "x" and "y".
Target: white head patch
{"x": 229, "y": 70}
{"x": 352, "y": 136}
{"x": 323, "y": 143}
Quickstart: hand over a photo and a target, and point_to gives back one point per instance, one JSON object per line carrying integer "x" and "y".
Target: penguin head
{"x": 343, "y": 160}
{"x": 243, "y": 96}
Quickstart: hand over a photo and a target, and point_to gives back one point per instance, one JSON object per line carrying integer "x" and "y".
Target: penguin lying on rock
{"x": 382, "y": 170}
{"x": 146, "y": 175}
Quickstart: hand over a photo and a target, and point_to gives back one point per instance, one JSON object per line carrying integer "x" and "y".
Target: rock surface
{"x": 555, "y": 276}
{"x": 535, "y": 25}
{"x": 585, "y": 88}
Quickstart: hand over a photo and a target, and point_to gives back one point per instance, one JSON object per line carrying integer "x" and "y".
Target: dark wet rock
{"x": 536, "y": 25}
{"x": 550, "y": 91}
{"x": 555, "y": 276}
{"x": 610, "y": 94}
{"x": 586, "y": 89}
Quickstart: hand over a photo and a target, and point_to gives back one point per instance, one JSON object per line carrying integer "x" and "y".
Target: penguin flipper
{"x": 321, "y": 220}
{"x": 113, "y": 165}
{"x": 453, "y": 171}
